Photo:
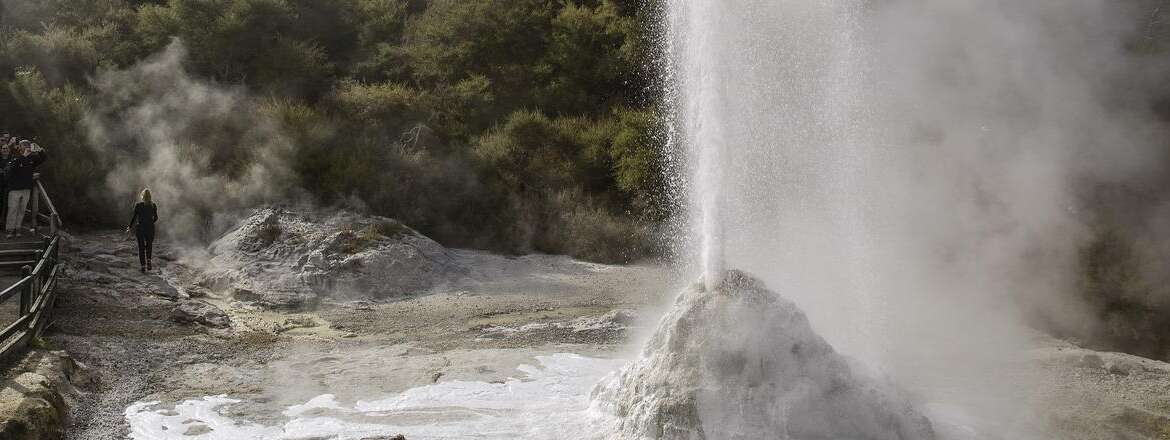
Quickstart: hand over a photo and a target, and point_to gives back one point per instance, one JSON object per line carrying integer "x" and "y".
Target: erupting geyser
{"x": 758, "y": 86}
{"x": 741, "y": 362}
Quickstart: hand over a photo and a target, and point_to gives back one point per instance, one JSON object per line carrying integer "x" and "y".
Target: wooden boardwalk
{"x": 28, "y": 275}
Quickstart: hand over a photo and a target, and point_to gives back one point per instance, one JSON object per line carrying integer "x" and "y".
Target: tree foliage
{"x": 515, "y": 125}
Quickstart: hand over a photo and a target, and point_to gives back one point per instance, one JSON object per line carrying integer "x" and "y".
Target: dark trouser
{"x": 145, "y": 245}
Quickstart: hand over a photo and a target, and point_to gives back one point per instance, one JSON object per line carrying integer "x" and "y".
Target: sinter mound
{"x": 284, "y": 258}
{"x": 743, "y": 363}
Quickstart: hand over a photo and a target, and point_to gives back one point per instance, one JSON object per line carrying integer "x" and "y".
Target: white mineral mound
{"x": 289, "y": 259}
{"x": 740, "y": 362}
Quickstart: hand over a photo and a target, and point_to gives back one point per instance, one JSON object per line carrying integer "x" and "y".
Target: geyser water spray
{"x": 765, "y": 101}
{"x": 759, "y": 92}
{"x": 905, "y": 171}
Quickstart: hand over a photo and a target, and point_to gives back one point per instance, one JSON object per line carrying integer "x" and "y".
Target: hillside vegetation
{"x": 512, "y": 125}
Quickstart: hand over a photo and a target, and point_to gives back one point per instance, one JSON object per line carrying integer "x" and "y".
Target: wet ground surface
{"x": 117, "y": 321}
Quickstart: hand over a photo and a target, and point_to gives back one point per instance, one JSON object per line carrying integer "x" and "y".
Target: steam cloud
{"x": 203, "y": 149}
{"x": 909, "y": 171}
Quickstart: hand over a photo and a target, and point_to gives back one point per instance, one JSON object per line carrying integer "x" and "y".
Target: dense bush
{"x": 514, "y": 125}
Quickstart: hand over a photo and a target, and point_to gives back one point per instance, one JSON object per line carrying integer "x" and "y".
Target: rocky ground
{"x": 170, "y": 335}
{"x": 255, "y": 317}
{"x": 1095, "y": 395}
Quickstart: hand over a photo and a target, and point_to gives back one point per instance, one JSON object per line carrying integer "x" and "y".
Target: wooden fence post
{"x": 25, "y": 292}
{"x": 35, "y": 197}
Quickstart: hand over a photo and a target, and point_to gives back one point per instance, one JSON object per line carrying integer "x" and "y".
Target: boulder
{"x": 31, "y": 408}
{"x": 741, "y": 362}
{"x": 34, "y": 403}
{"x": 200, "y": 312}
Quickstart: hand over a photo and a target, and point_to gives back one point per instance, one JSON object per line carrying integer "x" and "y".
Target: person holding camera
{"x": 20, "y": 177}
{"x": 6, "y": 155}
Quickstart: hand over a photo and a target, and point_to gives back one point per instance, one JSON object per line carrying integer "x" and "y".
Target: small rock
{"x": 297, "y": 321}
{"x": 197, "y": 292}
{"x": 272, "y": 299}
{"x": 1091, "y": 361}
{"x": 167, "y": 291}
{"x": 300, "y": 321}
{"x": 244, "y": 294}
{"x": 1121, "y": 367}
{"x": 197, "y": 429}
{"x": 200, "y": 312}
{"x": 76, "y": 372}
{"x": 620, "y": 316}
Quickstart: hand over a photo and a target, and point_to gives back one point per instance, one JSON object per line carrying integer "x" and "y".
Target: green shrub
{"x": 385, "y": 109}
{"x": 62, "y": 54}
{"x": 638, "y": 166}
{"x": 576, "y": 225}
{"x": 410, "y": 109}
{"x": 51, "y": 116}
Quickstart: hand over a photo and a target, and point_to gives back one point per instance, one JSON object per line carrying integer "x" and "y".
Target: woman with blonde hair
{"x": 145, "y": 215}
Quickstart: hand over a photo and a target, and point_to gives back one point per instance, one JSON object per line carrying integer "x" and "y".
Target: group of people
{"x": 19, "y": 159}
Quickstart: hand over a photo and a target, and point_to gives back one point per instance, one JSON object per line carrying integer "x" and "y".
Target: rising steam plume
{"x": 205, "y": 150}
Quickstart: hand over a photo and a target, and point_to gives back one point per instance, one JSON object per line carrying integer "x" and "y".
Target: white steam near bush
{"x": 203, "y": 149}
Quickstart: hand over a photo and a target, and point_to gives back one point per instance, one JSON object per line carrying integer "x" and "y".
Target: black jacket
{"x": 4, "y": 172}
{"x": 145, "y": 215}
{"x": 20, "y": 169}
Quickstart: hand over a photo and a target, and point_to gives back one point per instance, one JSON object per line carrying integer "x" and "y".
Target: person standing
{"x": 20, "y": 178}
{"x": 142, "y": 222}
{"x": 5, "y": 156}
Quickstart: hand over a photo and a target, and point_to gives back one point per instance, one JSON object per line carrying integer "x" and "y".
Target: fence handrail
{"x": 13, "y": 289}
{"x": 48, "y": 201}
{"x": 37, "y": 285}
{"x": 54, "y": 217}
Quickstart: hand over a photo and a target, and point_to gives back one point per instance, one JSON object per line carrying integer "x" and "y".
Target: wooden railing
{"x": 36, "y": 287}
{"x": 51, "y": 218}
{"x": 37, "y": 295}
